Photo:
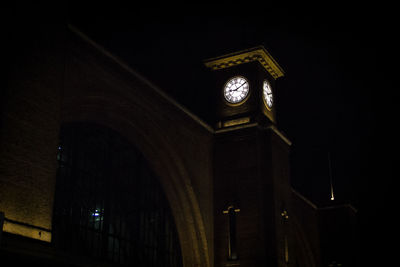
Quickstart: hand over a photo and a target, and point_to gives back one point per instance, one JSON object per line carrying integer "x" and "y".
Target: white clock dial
{"x": 267, "y": 95}
{"x": 236, "y": 90}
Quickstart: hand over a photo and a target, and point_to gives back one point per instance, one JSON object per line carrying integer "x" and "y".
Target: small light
{"x": 332, "y": 198}
{"x": 96, "y": 213}
{"x": 284, "y": 214}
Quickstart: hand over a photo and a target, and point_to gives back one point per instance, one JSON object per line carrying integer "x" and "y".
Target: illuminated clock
{"x": 267, "y": 95}
{"x": 236, "y": 90}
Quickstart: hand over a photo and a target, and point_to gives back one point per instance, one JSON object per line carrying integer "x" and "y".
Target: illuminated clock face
{"x": 236, "y": 90}
{"x": 267, "y": 95}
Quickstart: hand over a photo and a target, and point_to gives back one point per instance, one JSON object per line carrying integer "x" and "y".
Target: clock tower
{"x": 245, "y": 85}
{"x": 251, "y": 163}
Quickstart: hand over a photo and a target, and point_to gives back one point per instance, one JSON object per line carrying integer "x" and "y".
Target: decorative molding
{"x": 1, "y": 224}
{"x": 235, "y": 122}
{"x": 27, "y": 230}
{"x": 258, "y": 53}
{"x": 237, "y": 127}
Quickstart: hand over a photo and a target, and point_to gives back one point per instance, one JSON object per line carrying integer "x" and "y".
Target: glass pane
{"x": 109, "y": 205}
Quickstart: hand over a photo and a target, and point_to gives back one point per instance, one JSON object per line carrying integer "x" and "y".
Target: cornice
{"x": 258, "y": 53}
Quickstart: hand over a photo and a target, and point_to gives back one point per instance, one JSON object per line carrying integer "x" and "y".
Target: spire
{"x": 330, "y": 176}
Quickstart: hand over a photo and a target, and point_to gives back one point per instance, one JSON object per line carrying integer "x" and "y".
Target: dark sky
{"x": 330, "y": 100}
{"x": 337, "y": 97}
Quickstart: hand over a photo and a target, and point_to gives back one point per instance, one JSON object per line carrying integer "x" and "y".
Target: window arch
{"x": 108, "y": 204}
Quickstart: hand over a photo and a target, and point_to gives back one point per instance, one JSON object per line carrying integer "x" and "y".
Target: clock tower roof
{"x": 258, "y": 53}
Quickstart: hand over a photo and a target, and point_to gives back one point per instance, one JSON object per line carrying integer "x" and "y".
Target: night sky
{"x": 337, "y": 96}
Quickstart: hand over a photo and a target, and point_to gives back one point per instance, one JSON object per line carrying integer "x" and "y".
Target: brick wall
{"x": 29, "y": 133}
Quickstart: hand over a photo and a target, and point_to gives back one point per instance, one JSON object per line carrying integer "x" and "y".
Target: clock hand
{"x": 241, "y": 85}
{"x": 237, "y": 87}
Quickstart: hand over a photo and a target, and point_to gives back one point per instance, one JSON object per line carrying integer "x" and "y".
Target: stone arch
{"x": 141, "y": 123}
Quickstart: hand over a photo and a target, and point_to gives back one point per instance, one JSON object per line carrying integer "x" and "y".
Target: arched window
{"x": 109, "y": 205}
